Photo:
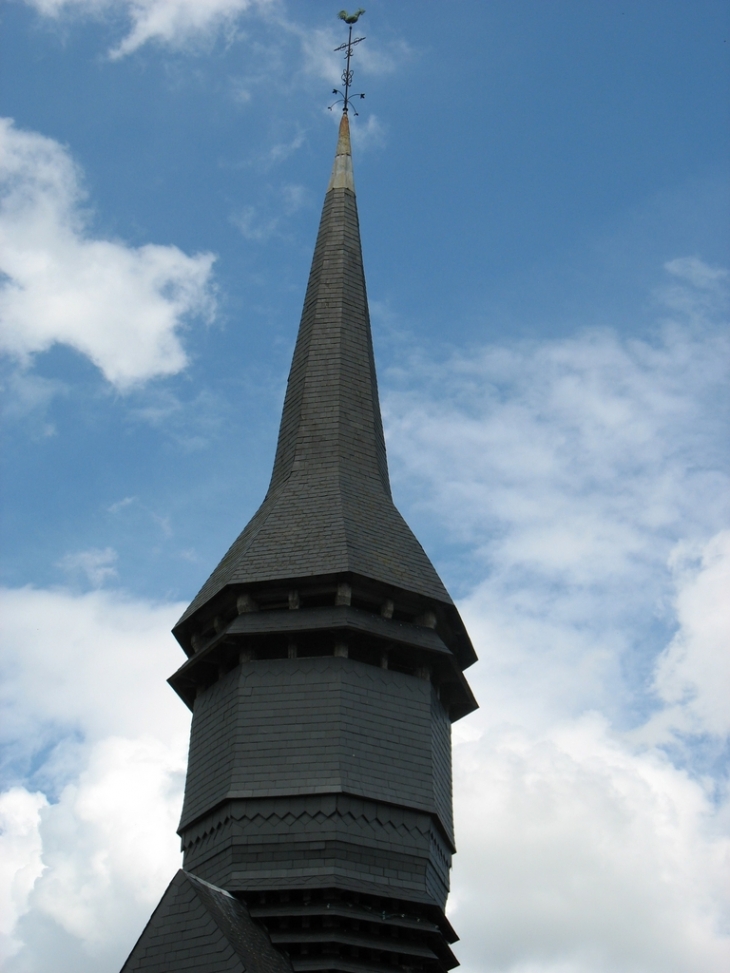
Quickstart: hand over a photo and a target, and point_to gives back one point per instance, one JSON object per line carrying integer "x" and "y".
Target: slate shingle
{"x": 202, "y": 928}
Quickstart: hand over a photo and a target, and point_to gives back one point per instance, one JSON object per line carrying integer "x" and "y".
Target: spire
{"x": 325, "y": 666}
{"x": 331, "y": 415}
{"x": 328, "y": 509}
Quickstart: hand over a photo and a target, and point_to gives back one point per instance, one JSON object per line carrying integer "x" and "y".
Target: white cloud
{"x": 174, "y": 23}
{"x": 693, "y": 674}
{"x": 282, "y": 150}
{"x": 121, "y": 306}
{"x": 570, "y": 470}
{"x": 582, "y": 856}
{"x": 93, "y": 842}
{"x": 587, "y": 479}
{"x": 114, "y": 508}
{"x": 268, "y": 219}
{"x": 549, "y": 445}
{"x": 93, "y": 864}
{"x": 179, "y": 24}
{"x": 96, "y": 565}
{"x": 707, "y": 293}
{"x": 698, "y": 273}
{"x": 366, "y": 134}
{"x": 323, "y": 60}
{"x": 28, "y": 396}
{"x": 85, "y": 667}
{"x": 20, "y": 857}
{"x": 109, "y": 848}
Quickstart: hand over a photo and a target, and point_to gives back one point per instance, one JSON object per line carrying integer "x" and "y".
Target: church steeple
{"x": 328, "y": 509}
{"x": 325, "y": 667}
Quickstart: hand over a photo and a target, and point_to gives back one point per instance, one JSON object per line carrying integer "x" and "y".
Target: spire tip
{"x": 342, "y": 175}
{"x": 343, "y": 137}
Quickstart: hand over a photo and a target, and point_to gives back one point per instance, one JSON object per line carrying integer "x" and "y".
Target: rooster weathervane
{"x": 345, "y": 96}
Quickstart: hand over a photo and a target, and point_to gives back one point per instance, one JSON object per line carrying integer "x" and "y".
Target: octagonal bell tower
{"x": 325, "y": 667}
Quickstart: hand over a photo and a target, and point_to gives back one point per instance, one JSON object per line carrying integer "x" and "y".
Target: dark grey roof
{"x": 329, "y": 508}
{"x": 202, "y": 929}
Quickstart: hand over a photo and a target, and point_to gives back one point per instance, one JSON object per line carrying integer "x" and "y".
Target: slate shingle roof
{"x": 329, "y": 508}
{"x": 202, "y": 929}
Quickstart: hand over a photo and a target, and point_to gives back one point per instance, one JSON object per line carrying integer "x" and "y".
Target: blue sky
{"x": 543, "y": 200}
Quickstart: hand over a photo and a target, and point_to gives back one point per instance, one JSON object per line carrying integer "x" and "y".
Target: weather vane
{"x": 350, "y": 20}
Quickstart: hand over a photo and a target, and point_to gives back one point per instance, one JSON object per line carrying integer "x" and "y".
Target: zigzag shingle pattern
{"x": 311, "y": 841}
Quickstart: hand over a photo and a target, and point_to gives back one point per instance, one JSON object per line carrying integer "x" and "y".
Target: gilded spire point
{"x": 343, "y": 138}
{"x": 342, "y": 175}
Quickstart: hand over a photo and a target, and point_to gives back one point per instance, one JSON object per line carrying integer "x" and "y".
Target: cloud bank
{"x": 96, "y": 744}
{"x": 587, "y": 479}
{"x": 581, "y": 855}
{"x": 122, "y": 307}
{"x": 575, "y": 473}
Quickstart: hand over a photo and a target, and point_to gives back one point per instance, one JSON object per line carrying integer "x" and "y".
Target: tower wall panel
{"x": 320, "y": 772}
{"x": 319, "y": 725}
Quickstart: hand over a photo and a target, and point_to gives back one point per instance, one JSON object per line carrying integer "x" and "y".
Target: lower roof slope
{"x": 198, "y": 927}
